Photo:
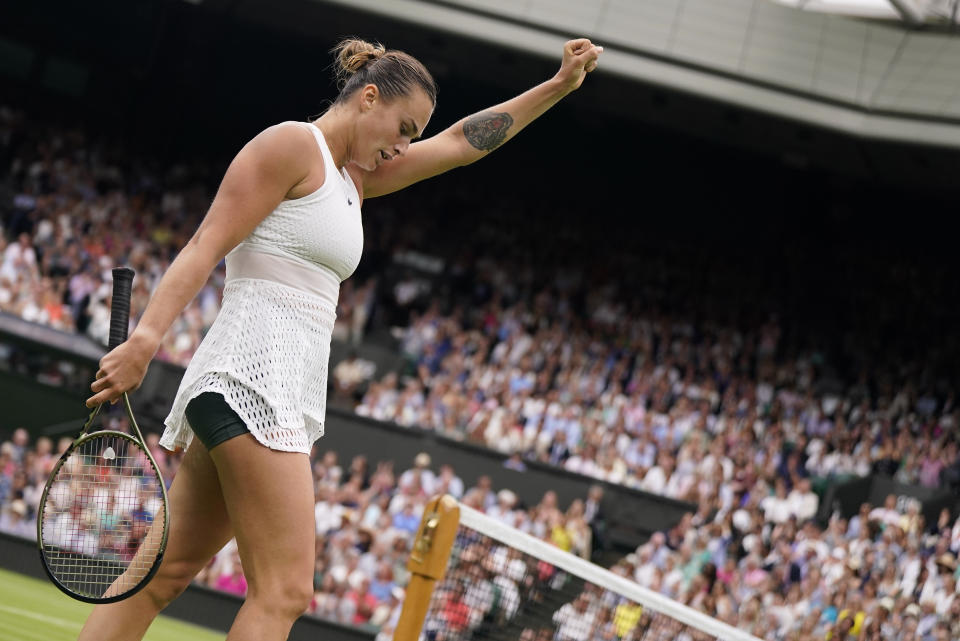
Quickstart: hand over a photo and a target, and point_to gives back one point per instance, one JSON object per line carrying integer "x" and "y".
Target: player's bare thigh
{"x": 269, "y": 497}
{"x": 199, "y": 524}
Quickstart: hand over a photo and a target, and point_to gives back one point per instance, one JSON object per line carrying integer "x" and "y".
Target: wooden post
{"x": 427, "y": 563}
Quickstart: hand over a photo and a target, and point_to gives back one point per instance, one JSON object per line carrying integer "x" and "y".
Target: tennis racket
{"x": 102, "y": 526}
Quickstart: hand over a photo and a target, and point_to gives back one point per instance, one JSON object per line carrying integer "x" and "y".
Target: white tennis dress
{"x": 268, "y": 350}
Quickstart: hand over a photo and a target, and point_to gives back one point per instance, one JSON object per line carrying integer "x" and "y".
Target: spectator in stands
{"x": 888, "y": 514}
{"x": 448, "y": 482}
{"x": 327, "y": 512}
{"x": 420, "y": 475}
{"x": 20, "y": 442}
{"x": 503, "y": 510}
{"x": 20, "y": 261}
{"x": 231, "y": 578}
{"x": 595, "y": 517}
{"x": 803, "y": 500}
{"x": 932, "y": 464}
{"x": 777, "y": 508}
{"x": 351, "y": 375}
{"x": 14, "y": 519}
{"x": 382, "y": 585}
{"x": 407, "y": 520}
{"x": 363, "y": 602}
{"x": 578, "y": 529}
{"x": 575, "y": 620}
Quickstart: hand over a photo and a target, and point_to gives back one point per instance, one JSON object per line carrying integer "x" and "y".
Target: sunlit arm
{"x": 464, "y": 142}
{"x": 475, "y": 136}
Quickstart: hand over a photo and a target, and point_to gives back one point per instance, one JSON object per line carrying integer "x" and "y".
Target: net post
{"x": 427, "y": 563}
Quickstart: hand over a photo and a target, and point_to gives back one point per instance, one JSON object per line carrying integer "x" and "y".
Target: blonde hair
{"x": 395, "y": 73}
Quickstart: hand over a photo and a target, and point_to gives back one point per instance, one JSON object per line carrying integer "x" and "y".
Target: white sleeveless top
{"x": 268, "y": 350}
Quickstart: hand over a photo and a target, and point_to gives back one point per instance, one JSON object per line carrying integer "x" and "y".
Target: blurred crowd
{"x": 366, "y": 518}
{"x": 73, "y": 207}
{"x": 664, "y": 372}
{"x": 653, "y": 403}
{"x": 716, "y": 415}
{"x": 884, "y": 574}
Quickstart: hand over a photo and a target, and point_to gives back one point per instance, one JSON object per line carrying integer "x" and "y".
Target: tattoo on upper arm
{"x": 487, "y": 131}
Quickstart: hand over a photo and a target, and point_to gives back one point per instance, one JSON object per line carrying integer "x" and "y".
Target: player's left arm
{"x": 475, "y": 136}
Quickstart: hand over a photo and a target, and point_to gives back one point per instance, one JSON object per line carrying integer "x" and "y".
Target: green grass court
{"x": 34, "y": 610}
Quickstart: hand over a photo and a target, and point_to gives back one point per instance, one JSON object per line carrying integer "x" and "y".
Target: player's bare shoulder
{"x": 288, "y": 138}
{"x": 292, "y": 145}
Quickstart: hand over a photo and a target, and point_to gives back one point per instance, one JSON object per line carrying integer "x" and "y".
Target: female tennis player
{"x": 287, "y": 219}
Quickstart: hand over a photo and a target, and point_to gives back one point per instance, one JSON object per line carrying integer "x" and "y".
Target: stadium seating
{"x": 512, "y": 346}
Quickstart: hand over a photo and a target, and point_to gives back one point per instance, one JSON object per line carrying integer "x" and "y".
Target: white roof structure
{"x": 873, "y": 79}
{"x": 911, "y": 11}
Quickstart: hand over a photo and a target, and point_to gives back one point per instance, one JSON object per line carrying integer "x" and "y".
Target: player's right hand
{"x": 580, "y": 57}
{"x": 122, "y": 369}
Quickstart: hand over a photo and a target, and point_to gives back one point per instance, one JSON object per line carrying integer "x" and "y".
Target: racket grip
{"x": 120, "y": 306}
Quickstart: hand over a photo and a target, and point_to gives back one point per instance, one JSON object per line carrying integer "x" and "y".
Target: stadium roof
{"x": 911, "y": 11}
{"x": 866, "y": 78}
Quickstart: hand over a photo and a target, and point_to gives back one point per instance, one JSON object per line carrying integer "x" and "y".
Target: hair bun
{"x": 395, "y": 73}
{"x": 353, "y": 54}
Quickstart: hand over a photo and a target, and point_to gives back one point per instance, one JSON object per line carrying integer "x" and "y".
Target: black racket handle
{"x": 120, "y": 307}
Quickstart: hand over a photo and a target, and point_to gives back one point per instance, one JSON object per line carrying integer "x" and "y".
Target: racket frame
{"x": 135, "y": 437}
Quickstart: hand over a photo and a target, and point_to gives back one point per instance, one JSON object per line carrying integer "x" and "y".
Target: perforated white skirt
{"x": 267, "y": 353}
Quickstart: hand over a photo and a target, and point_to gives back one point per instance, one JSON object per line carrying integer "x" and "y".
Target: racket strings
{"x": 103, "y": 518}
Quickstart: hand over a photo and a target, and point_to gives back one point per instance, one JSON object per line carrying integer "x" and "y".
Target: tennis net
{"x": 503, "y": 584}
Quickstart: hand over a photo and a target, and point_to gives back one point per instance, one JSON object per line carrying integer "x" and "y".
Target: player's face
{"x": 387, "y": 127}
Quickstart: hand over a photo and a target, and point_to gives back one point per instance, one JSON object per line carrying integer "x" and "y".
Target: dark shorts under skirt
{"x": 212, "y": 420}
